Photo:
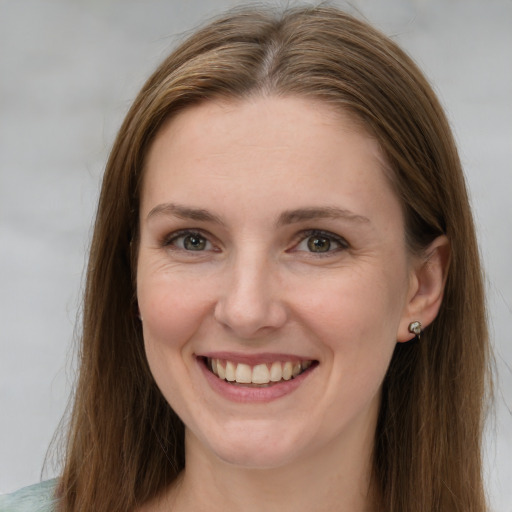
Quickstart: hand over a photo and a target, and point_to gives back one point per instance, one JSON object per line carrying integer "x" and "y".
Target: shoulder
{"x": 36, "y": 498}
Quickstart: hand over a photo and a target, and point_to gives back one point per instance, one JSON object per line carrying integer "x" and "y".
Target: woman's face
{"x": 273, "y": 278}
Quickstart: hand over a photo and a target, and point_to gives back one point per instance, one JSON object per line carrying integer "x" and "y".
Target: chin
{"x": 255, "y": 457}
{"x": 257, "y": 450}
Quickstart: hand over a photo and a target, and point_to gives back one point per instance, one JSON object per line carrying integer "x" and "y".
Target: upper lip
{"x": 254, "y": 359}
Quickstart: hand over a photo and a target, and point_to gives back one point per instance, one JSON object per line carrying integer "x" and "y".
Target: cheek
{"x": 171, "y": 314}
{"x": 357, "y": 307}
{"x": 171, "y": 308}
{"x": 357, "y": 327}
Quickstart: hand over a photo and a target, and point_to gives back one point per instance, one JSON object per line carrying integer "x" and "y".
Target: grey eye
{"x": 319, "y": 244}
{"x": 194, "y": 242}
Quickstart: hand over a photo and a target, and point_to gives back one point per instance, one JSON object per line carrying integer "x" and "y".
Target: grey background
{"x": 68, "y": 73}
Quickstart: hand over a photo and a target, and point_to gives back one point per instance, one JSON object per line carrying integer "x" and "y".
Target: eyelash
{"x": 170, "y": 240}
{"x": 304, "y": 236}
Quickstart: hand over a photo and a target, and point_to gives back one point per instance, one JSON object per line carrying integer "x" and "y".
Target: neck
{"x": 334, "y": 478}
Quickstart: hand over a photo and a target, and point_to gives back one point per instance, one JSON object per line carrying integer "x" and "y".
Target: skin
{"x": 256, "y": 287}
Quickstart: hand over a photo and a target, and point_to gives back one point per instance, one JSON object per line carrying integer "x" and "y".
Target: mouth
{"x": 259, "y": 375}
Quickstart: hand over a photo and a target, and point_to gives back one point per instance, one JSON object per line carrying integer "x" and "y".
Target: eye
{"x": 321, "y": 242}
{"x": 189, "y": 241}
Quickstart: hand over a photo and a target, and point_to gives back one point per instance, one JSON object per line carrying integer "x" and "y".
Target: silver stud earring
{"x": 415, "y": 328}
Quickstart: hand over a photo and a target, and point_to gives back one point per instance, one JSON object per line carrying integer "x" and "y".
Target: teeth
{"x": 276, "y": 372}
{"x": 259, "y": 374}
{"x": 221, "y": 371}
{"x": 230, "y": 372}
{"x": 243, "y": 374}
{"x": 287, "y": 370}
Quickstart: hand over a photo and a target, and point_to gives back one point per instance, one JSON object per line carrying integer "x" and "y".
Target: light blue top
{"x": 36, "y": 498}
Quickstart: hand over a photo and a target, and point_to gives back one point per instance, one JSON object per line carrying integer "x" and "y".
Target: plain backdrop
{"x": 69, "y": 70}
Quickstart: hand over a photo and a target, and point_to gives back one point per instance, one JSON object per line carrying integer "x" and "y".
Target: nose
{"x": 251, "y": 304}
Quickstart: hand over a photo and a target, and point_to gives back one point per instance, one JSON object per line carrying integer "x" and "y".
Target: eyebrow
{"x": 285, "y": 218}
{"x": 184, "y": 212}
{"x": 314, "y": 213}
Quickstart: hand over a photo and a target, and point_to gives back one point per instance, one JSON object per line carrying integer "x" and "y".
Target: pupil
{"x": 194, "y": 243}
{"x": 319, "y": 244}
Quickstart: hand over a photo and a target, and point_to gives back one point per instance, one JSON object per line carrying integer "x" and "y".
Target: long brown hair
{"x": 125, "y": 443}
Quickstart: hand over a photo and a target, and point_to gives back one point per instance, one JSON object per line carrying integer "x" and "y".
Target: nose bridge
{"x": 251, "y": 302}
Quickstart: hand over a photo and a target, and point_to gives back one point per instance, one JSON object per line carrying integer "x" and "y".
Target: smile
{"x": 259, "y": 375}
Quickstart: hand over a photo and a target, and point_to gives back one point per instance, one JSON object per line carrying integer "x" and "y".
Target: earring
{"x": 415, "y": 328}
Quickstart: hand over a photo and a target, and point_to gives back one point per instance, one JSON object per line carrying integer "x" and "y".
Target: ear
{"x": 426, "y": 287}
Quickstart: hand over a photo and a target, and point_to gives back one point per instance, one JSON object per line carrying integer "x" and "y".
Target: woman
{"x": 283, "y": 204}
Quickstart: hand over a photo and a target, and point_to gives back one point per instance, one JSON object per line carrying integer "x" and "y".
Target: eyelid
{"x": 303, "y": 235}
{"x": 167, "y": 240}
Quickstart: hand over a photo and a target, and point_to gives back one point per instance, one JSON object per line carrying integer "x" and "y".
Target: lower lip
{"x": 247, "y": 394}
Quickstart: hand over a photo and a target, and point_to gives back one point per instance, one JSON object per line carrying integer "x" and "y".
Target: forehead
{"x": 282, "y": 150}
